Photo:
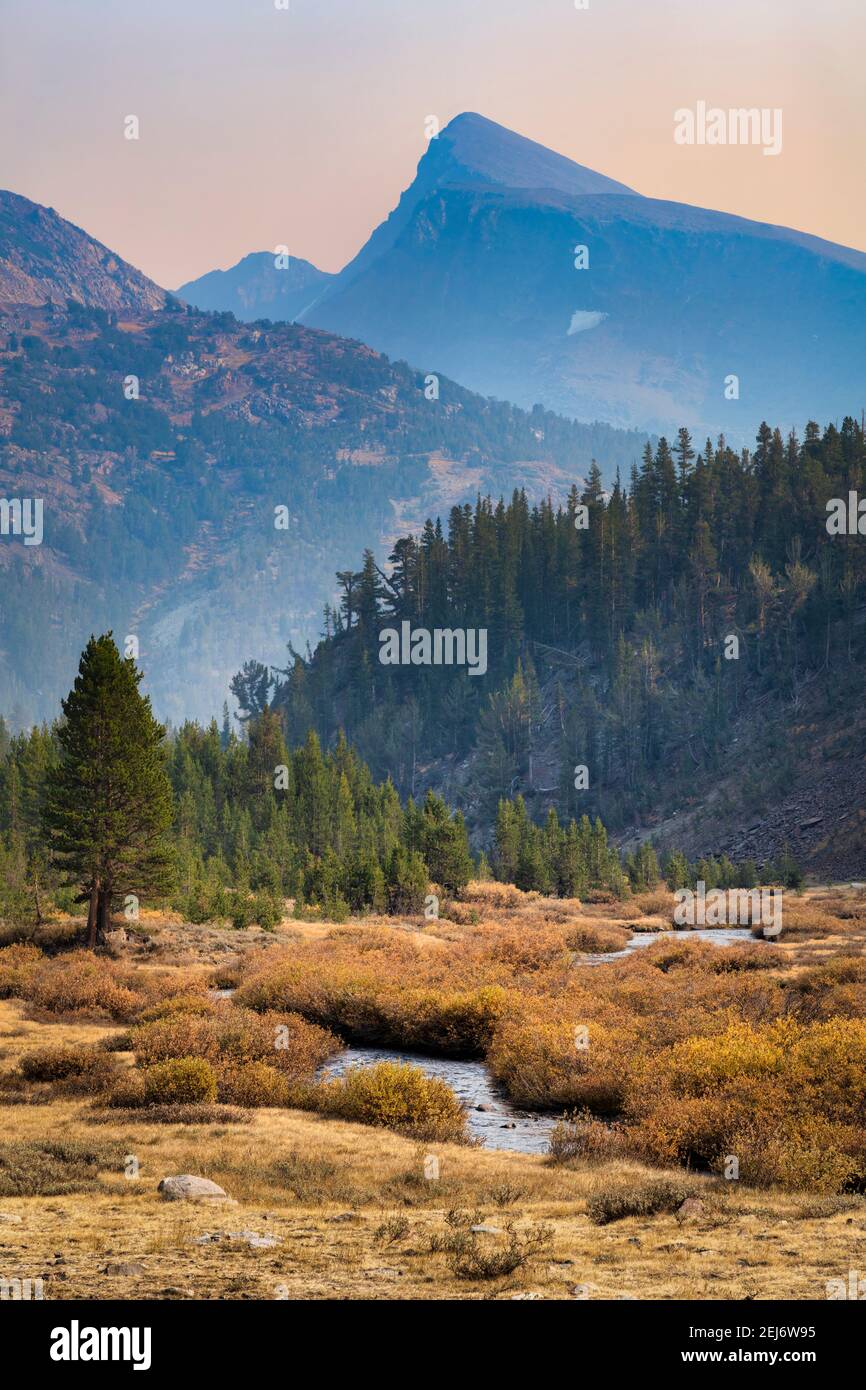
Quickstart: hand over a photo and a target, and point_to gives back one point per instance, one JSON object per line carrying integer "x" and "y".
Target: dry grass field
{"x": 346, "y": 1204}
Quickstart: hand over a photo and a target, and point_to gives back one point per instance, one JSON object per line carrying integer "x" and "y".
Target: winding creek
{"x": 492, "y": 1119}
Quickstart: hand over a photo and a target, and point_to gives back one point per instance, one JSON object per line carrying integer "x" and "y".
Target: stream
{"x": 491, "y": 1118}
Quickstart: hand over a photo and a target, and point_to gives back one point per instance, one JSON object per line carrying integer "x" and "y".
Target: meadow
{"x": 711, "y": 1141}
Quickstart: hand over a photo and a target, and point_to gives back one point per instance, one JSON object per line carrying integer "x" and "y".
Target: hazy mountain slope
{"x": 478, "y": 279}
{"x": 44, "y": 257}
{"x": 159, "y": 512}
{"x": 256, "y": 289}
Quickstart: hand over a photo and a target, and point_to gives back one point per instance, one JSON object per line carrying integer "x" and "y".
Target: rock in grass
{"x": 185, "y": 1187}
{"x": 692, "y": 1209}
{"x": 255, "y": 1241}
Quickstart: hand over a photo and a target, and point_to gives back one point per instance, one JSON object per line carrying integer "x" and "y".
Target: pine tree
{"x": 110, "y": 805}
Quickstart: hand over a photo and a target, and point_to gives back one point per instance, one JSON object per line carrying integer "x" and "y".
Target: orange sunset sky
{"x": 262, "y": 126}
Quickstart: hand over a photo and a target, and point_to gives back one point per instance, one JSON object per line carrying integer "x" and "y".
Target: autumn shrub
{"x": 397, "y": 1096}
{"x": 127, "y": 1093}
{"x": 81, "y": 984}
{"x": 232, "y": 1036}
{"x": 18, "y": 962}
{"x": 198, "y": 1004}
{"x": 657, "y": 903}
{"x": 491, "y": 895}
{"x": 643, "y": 1199}
{"x": 47, "y": 936}
{"x": 369, "y": 1006}
{"x": 580, "y": 1137}
{"x": 544, "y": 1059}
{"x": 783, "y": 1098}
{"x": 253, "y": 1084}
{"x": 60, "y": 1063}
{"x": 180, "y": 1081}
{"x": 835, "y": 988}
{"x": 598, "y": 940}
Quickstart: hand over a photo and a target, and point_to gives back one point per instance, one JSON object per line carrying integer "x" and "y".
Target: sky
{"x": 262, "y": 127}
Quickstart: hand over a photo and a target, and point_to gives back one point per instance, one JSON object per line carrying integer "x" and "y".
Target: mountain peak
{"x": 473, "y": 151}
{"x": 481, "y": 149}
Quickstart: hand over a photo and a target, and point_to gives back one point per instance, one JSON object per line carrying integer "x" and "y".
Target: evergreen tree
{"x": 110, "y": 804}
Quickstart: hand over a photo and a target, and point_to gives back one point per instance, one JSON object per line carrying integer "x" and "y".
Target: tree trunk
{"x": 103, "y": 921}
{"x": 92, "y": 914}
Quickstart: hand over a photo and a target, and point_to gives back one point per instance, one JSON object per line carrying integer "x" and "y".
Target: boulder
{"x": 185, "y": 1187}
{"x": 692, "y": 1209}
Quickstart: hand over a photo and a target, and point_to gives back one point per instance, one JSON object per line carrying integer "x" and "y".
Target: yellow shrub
{"x": 182, "y": 1081}
{"x": 198, "y": 1004}
{"x": 253, "y": 1084}
{"x": 398, "y": 1096}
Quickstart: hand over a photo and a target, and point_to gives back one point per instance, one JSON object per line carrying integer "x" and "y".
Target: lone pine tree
{"x": 110, "y": 806}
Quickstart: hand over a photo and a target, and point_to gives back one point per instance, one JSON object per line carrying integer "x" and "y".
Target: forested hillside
{"x": 609, "y": 623}
{"x": 161, "y": 446}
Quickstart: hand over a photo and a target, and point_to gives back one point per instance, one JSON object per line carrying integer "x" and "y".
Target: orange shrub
{"x": 232, "y": 1036}
{"x": 81, "y": 984}
{"x": 17, "y": 965}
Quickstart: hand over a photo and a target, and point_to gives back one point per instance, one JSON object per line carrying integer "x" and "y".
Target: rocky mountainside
{"x": 45, "y": 258}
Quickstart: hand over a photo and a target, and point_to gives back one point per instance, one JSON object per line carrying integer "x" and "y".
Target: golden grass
{"x": 350, "y": 1204}
{"x": 326, "y": 1187}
